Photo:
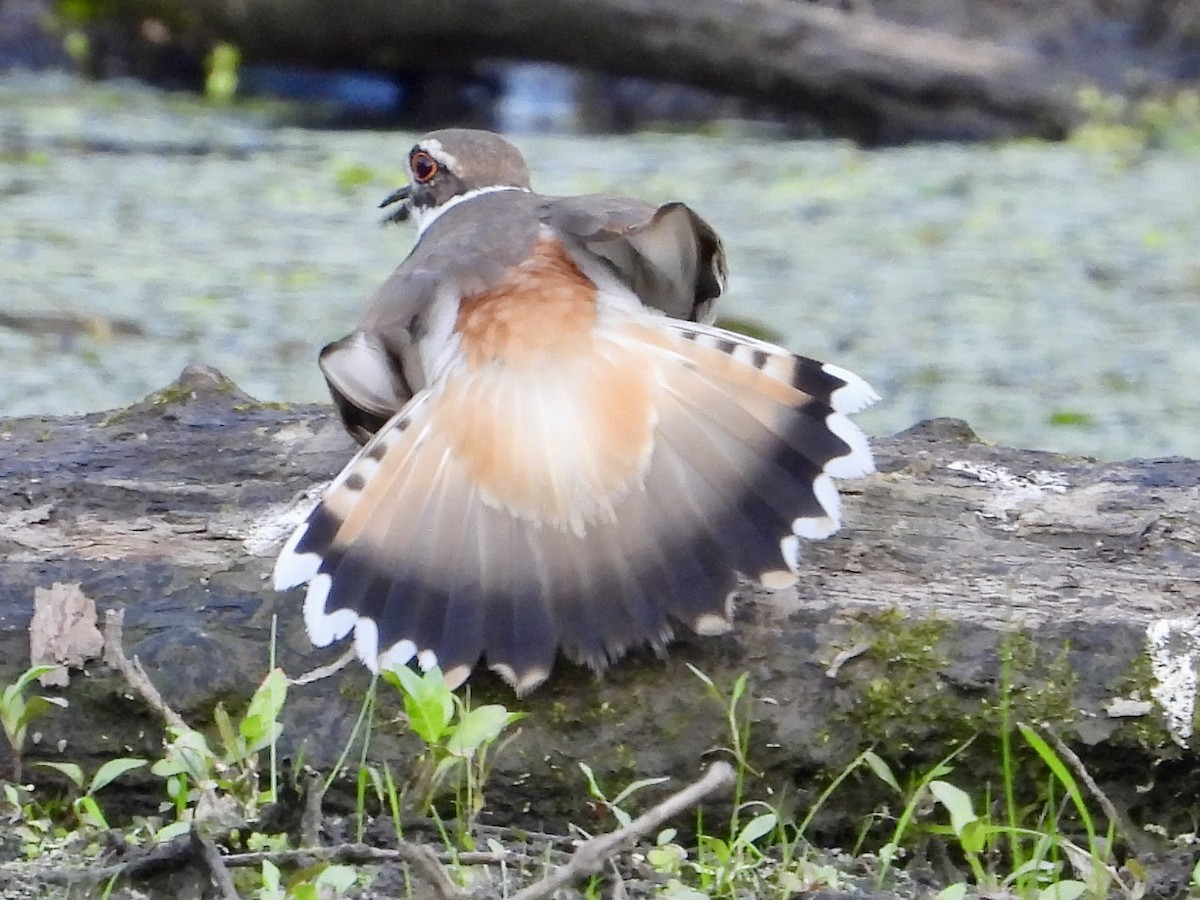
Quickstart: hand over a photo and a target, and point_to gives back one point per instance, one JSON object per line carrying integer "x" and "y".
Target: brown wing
{"x": 667, "y": 255}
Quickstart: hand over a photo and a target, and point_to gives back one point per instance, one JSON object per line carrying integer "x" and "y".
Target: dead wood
{"x": 964, "y": 571}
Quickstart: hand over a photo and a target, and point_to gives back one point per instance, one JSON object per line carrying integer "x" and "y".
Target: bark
{"x": 964, "y": 573}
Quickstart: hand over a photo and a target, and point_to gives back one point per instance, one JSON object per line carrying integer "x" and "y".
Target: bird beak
{"x": 401, "y": 196}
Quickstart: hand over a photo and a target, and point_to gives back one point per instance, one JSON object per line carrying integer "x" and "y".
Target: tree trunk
{"x": 862, "y": 75}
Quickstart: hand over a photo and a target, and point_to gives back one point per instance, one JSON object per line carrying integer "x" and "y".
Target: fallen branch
{"x": 1125, "y": 829}
{"x": 167, "y": 857}
{"x": 363, "y": 854}
{"x": 591, "y": 855}
{"x": 132, "y": 671}
{"x": 207, "y": 850}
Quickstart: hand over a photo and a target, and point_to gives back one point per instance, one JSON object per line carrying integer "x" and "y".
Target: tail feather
{"x": 410, "y": 553}
{"x": 844, "y": 391}
{"x": 743, "y": 522}
{"x": 522, "y": 649}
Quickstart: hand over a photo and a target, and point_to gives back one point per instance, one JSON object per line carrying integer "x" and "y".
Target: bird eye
{"x": 424, "y": 166}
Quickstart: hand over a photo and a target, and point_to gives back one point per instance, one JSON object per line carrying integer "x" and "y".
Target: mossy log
{"x": 965, "y": 575}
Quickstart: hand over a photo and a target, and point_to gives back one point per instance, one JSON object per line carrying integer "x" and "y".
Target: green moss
{"x": 906, "y": 700}
{"x": 903, "y": 697}
{"x": 278, "y": 405}
{"x": 1037, "y": 688}
{"x": 116, "y": 417}
{"x": 172, "y": 394}
{"x": 1150, "y": 731}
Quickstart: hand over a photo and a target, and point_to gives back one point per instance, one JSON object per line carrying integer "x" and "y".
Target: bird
{"x": 561, "y": 453}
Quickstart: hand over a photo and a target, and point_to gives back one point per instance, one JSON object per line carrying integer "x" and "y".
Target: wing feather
{"x": 409, "y": 552}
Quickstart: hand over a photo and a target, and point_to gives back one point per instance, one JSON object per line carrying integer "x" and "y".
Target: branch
{"x": 132, "y": 671}
{"x": 207, "y": 850}
{"x": 591, "y": 855}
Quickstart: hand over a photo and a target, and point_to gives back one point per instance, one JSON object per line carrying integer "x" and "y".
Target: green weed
{"x": 85, "y": 807}
{"x": 458, "y": 739}
{"x": 195, "y": 774}
{"x": 17, "y": 712}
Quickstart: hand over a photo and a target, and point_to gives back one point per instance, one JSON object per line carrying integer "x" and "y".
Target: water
{"x": 1047, "y": 294}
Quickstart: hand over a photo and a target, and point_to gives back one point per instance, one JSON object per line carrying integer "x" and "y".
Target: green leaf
{"x": 445, "y": 767}
{"x": 756, "y": 828}
{"x": 72, "y": 771}
{"x": 1070, "y": 417}
{"x": 636, "y": 786}
{"x": 187, "y": 754}
{"x": 952, "y": 892}
{"x": 1064, "y": 776}
{"x": 590, "y": 777}
{"x": 375, "y": 778}
{"x": 478, "y": 728}
{"x": 338, "y": 878}
{"x": 221, "y": 82}
{"x": 739, "y": 689}
{"x": 1063, "y": 890}
{"x": 271, "y": 882}
{"x": 35, "y": 706}
{"x": 89, "y": 812}
{"x": 112, "y": 770}
{"x": 974, "y": 836}
{"x": 957, "y": 803}
{"x": 172, "y": 831}
{"x": 27, "y": 677}
{"x": 168, "y": 766}
{"x": 260, "y": 726}
{"x": 259, "y": 732}
{"x": 428, "y": 703}
{"x": 229, "y": 736}
{"x": 881, "y": 769}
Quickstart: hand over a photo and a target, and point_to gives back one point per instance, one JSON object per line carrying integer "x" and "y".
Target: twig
{"x": 133, "y": 672}
{"x": 424, "y": 861}
{"x": 521, "y": 835}
{"x": 178, "y": 853}
{"x": 325, "y": 671}
{"x": 590, "y": 857}
{"x": 310, "y": 821}
{"x": 361, "y": 853}
{"x": 1127, "y": 832}
{"x": 167, "y": 857}
{"x": 136, "y": 677}
{"x": 208, "y": 851}
{"x": 618, "y": 883}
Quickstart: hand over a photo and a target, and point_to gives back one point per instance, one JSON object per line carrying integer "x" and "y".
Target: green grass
{"x": 1026, "y": 826}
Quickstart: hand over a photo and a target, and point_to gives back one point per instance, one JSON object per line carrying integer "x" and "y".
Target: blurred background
{"x": 988, "y": 208}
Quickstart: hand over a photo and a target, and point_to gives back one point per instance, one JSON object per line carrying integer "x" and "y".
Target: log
{"x": 862, "y": 75}
{"x": 965, "y": 574}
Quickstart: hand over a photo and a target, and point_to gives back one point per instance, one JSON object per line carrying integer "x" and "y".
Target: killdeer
{"x": 560, "y": 452}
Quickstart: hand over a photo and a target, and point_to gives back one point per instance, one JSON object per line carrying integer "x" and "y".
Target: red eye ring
{"x": 424, "y": 167}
